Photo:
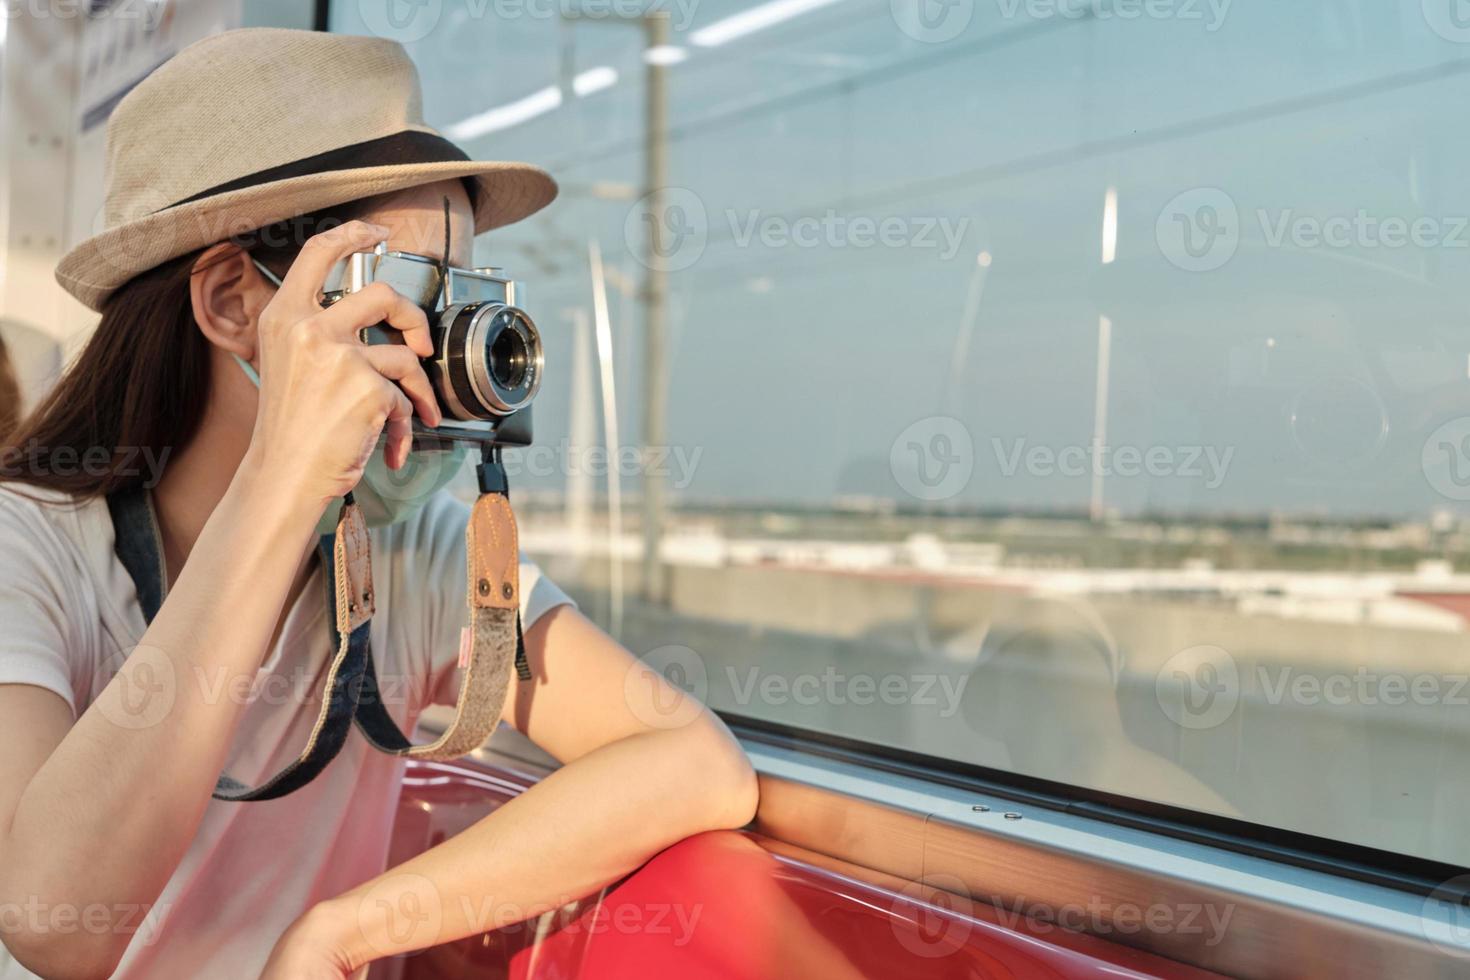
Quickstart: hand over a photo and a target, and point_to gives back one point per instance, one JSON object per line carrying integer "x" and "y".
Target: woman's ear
{"x": 228, "y": 292}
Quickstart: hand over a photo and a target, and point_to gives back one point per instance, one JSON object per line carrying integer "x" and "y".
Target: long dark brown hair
{"x": 137, "y": 390}
{"x": 9, "y": 393}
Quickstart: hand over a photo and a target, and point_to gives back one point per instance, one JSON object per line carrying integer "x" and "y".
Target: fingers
{"x": 401, "y": 366}
{"x": 398, "y": 426}
{"x": 303, "y": 282}
{"x": 374, "y": 304}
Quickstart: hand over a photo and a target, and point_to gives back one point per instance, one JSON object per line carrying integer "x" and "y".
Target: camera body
{"x": 487, "y": 363}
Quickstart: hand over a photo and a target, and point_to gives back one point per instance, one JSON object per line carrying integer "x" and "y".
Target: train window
{"x": 1075, "y": 389}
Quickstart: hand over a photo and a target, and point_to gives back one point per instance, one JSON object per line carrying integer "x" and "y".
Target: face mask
{"x": 386, "y": 496}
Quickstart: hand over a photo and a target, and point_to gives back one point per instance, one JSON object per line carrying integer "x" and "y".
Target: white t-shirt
{"x": 68, "y": 615}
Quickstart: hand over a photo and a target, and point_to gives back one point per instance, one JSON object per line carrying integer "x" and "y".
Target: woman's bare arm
{"x": 97, "y": 814}
{"x": 101, "y": 812}
{"x": 645, "y": 766}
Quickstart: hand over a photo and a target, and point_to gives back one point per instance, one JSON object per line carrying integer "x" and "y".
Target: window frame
{"x": 1344, "y": 859}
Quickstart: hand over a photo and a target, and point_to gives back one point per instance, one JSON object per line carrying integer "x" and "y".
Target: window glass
{"x": 1076, "y": 389}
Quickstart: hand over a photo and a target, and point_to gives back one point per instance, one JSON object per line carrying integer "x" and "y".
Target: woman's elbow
{"x": 53, "y": 934}
{"x": 59, "y": 955}
{"x": 727, "y": 779}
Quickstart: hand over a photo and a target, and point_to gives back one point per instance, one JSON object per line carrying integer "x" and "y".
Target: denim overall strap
{"x": 139, "y": 546}
{"x": 492, "y": 643}
{"x": 347, "y": 569}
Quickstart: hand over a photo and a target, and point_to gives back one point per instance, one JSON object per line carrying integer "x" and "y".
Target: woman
{"x": 117, "y": 731}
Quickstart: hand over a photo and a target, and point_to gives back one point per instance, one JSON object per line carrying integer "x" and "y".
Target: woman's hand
{"x": 308, "y": 951}
{"x": 325, "y": 397}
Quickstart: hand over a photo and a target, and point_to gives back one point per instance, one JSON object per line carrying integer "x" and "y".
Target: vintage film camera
{"x": 488, "y": 359}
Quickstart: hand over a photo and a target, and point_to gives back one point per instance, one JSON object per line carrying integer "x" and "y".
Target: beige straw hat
{"x": 255, "y": 126}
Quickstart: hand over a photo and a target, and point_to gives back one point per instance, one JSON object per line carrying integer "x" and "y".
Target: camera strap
{"x": 493, "y": 640}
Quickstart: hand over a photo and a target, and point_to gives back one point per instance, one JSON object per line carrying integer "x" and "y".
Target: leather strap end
{"x": 352, "y": 557}
{"x": 494, "y": 555}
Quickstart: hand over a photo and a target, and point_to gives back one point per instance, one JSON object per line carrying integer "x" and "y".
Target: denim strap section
{"x": 139, "y": 549}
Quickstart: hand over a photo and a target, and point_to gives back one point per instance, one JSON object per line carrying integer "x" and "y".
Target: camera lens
{"x": 509, "y": 354}
{"x": 491, "y": 360}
